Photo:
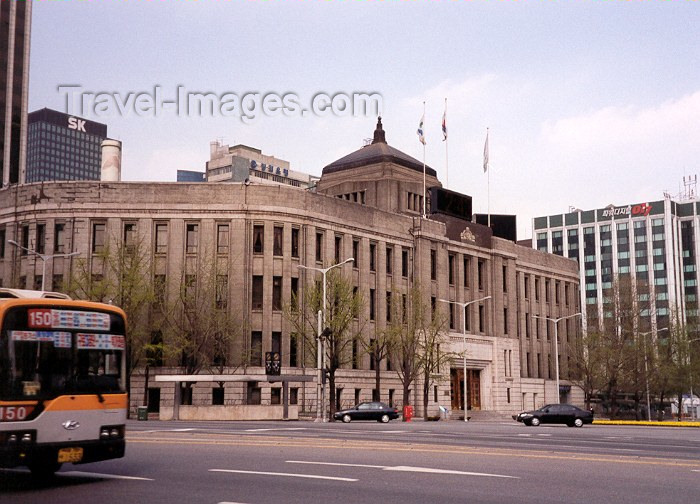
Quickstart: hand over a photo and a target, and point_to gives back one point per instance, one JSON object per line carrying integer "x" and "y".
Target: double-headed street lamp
{"x": 464, "y": 340}
{"x": 556, "y": 344}
{"x": 43, "y": 257}
{"x": 320, "y": 354}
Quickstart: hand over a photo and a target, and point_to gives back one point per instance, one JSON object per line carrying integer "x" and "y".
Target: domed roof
{"x": 377, "y": 152}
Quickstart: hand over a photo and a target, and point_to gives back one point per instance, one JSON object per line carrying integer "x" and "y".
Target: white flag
{"x": 486, "y": 152}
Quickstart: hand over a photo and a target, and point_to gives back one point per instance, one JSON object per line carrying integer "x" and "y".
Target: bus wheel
{"x": 43, "y": 469}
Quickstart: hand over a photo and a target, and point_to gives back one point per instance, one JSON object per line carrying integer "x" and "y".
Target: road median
{"x": 644, "y": 423}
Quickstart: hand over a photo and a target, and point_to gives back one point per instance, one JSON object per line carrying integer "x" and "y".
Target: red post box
{"x": 407, "y": 413}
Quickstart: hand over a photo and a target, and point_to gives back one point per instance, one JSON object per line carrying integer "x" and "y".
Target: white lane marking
{"x": 339, "y": 464}
{"x": 405, "y": 469}
{"x": 276, "y": 429}
{"x": 100, "y": 475}
{"x": 287, "y": 475}
{"x": 695, "y": 470}
{"x": 446, "y": 471}
{"x": 163, "y": 430}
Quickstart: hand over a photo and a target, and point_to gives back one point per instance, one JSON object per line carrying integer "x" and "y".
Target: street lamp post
{"x": 464, "y": 341}
{"x": 646, "y": 367}
{"x": 43, "y": 257}
{"x": 321, "y": 387}
{"x": 690, "y": 369}
{"x": 556, "y": 344}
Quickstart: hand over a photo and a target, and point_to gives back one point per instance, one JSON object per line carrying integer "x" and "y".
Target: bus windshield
{"x": 46, "y": 352}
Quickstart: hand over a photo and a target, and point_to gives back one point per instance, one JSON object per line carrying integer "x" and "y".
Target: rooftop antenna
{"x": 690, "y": 183}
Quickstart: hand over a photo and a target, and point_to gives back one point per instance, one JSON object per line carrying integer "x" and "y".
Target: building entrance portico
{"x": 473, "y": 389}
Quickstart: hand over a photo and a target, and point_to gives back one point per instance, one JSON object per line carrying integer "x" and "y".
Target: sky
{"x": 587, "y": 102}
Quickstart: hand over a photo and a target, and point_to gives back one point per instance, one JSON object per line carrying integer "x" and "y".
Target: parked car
{"x": 556, "y": 414}
{"x": 368, "y": 411}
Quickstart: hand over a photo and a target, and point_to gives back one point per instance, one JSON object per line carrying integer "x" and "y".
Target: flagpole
{"x": 488, "y": 179}
{"x": 447, "y": 173}
{"x": 424, "y": 213}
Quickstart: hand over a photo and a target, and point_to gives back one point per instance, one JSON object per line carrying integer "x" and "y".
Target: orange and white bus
{"x": 62, "y": 381}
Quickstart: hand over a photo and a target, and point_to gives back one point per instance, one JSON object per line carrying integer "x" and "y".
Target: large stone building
{"x": 367, "y": 206}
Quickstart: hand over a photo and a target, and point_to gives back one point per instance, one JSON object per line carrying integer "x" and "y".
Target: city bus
{"x": 62, "y": 381}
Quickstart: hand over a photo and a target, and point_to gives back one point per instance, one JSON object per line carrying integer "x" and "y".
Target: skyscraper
{"x": 15, "y": 24}
{"x": 63, "y": 147}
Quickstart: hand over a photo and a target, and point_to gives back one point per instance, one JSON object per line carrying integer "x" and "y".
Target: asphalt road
{"x": 418, "y": 462}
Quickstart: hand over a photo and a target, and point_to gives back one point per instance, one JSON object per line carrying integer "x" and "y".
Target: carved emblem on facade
{"x": 467, "y": 235}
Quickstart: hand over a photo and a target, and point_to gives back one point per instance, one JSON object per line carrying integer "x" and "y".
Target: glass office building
{"x": 653, "y": 245}
{"x": 63, "y": 147}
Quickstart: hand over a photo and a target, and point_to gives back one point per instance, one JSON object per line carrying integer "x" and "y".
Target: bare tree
{"x": 120, "y": 275}
{"x": 433, "y": 354}
{"x": 407, "y": 333}
{"x": 343, "y": 324}
{"x": 201, "y": 328}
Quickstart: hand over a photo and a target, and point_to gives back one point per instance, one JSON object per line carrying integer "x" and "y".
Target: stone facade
{"x": 508, "y": 360}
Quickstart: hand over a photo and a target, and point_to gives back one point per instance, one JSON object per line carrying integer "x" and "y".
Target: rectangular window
{"x": 24, "y": 240}
{"x": 319, "y": 246}
{"x": 372, "y": 257}
{"x": 258, "y": 239}
{"x": 527, "y": 287}
{"x": 372, "y": 303}
{"x": 253, "y": 395}
{"x": 277, "y": 240}
{"x": 480, "y": 274}
{"x": 221, "y": 292}
{"x": 481, "y": 318}
{"x": 355, "y": 354}
{"x": 276, "y": 342}
{"x": 338, "y": 248}
{"x": 356, "y": 253}
{"x": 388, "y": 306}
{"x": 192, "y": 238}
{"x": 504, "y": 276}
{"x": 547, "y": 297}
{"x": 161, "y": 238}
{"x": 450, "y": 269}
{"x": 59, "y": 236}
{"x": 505, "y": 320}
{"x": 433, "y": 264}
{"x": 129, "y": 237}
{"x": 257, "y": 295}
{"x": 404, "y": 263}
{"x": 159, "y": 288}
{"x": 276, "y": 395}
{"x": 222, "y": 238}
{"x": 277, "y": 293}
{"x": 467, "y": 267}
{"x": 389, "y": 260}
{"x": 98, "y": 237}
{"x": 57, "y": 283}
{"x": 452, "y": 315}
{"x": 293, "y": 350}
{"x": 467, "y": 319}
{"x": 537, "y": 289}
{"x": 295, "y": 293}
{"x": 295, "y": 242}
{"x": 40, "y": 238}
{"x": 256, "y": 348}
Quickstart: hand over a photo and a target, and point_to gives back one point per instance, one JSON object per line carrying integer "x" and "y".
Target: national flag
{"x": 421, "y": 136}
{"x": 444, "y": 123}
{"x": 486, "y": 152}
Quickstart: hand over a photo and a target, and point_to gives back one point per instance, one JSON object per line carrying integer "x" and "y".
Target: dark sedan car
{"x": 556, "y": 414}
{"x": 368, "y": 411}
